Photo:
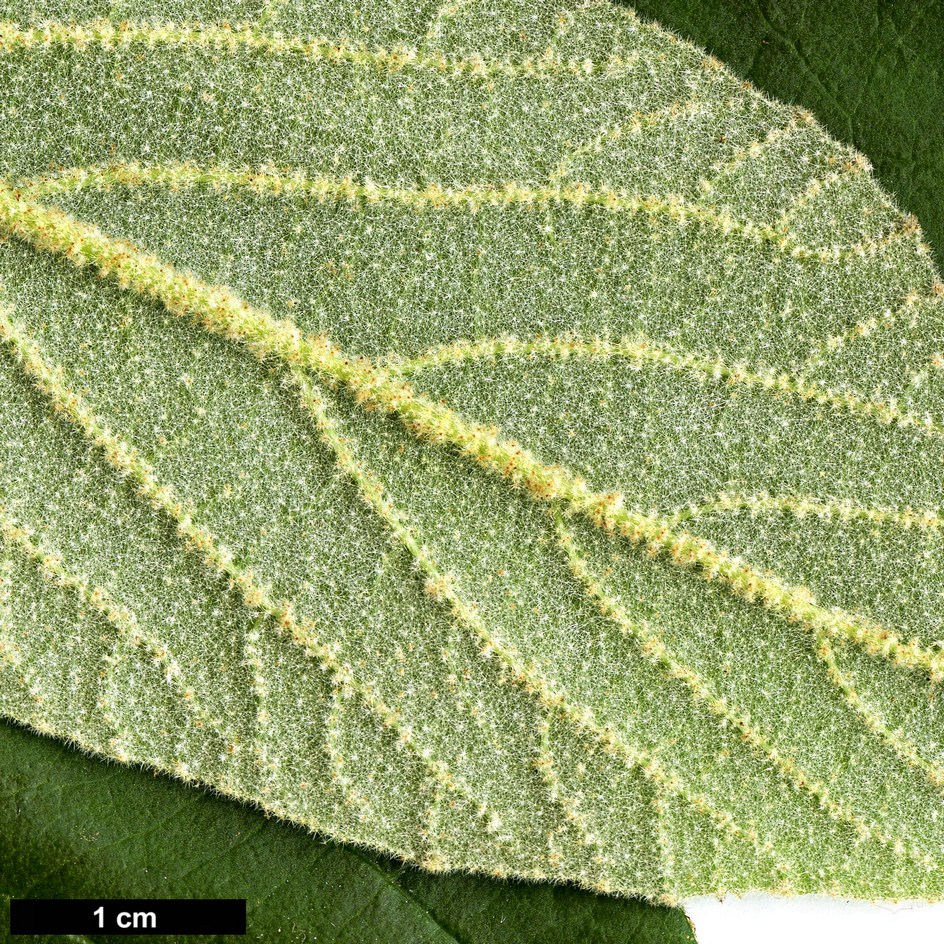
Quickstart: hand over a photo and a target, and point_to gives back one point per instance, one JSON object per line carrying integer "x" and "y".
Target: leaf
{"x": 870, "y": 74}
{"x": 72, "y": 830}
{"x": 580, "y": 517}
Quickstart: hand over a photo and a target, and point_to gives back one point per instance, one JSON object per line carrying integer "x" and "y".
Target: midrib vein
{"x": 378, "y": 386}
{"x": 220, "y": 311}
{"x": 654, "y": 648}
{"x": 471, "y": 198}
{"x": 127, "y": 461}
{"x": 475, "y": 197}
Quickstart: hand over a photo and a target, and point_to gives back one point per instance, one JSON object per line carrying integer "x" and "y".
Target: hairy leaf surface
{"x": 579, "y": 515}
{"x": 870, "y": 74}
{"x": 75, "y": 827}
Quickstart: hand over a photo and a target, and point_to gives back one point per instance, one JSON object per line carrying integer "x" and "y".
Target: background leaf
{"x": 72, "y": 826}
{"x": 613, "y": 679}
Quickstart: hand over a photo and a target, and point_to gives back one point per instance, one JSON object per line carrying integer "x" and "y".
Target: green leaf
{"x": 580, "y": 516}
{"x": 73, "y": 827}
{"x": 871, "y": 74}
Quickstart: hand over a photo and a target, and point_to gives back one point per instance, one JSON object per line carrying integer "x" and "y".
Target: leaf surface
{"x": 870, "y": 74}
{"x": 579, "y": 517}
{"x": 74, "y": 827}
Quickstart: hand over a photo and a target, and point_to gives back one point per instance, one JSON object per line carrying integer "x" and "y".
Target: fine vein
{"x": 127, "y": 461}
{"x": 654, "y": 648}
{"x": 471, "y": 198}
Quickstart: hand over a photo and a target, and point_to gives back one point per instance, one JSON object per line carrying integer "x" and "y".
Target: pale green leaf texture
{"x": 580, "y": 517}
{"x": 73, "y": 826}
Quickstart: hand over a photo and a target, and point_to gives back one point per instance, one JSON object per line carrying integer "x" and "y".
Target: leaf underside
{"x": 76, "y": 827}
{"x": 578, "y": 516}
{"x": 871, "y": 75}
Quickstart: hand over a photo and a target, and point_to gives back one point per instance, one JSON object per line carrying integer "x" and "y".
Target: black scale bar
{"x": 127, "y": 916}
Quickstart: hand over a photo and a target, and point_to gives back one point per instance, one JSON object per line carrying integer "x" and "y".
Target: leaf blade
{"x": 600, "y": 710}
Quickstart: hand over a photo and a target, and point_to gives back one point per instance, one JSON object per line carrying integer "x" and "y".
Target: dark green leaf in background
{"x": 871, "y": 72}
{"x": 73, "y": 827}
